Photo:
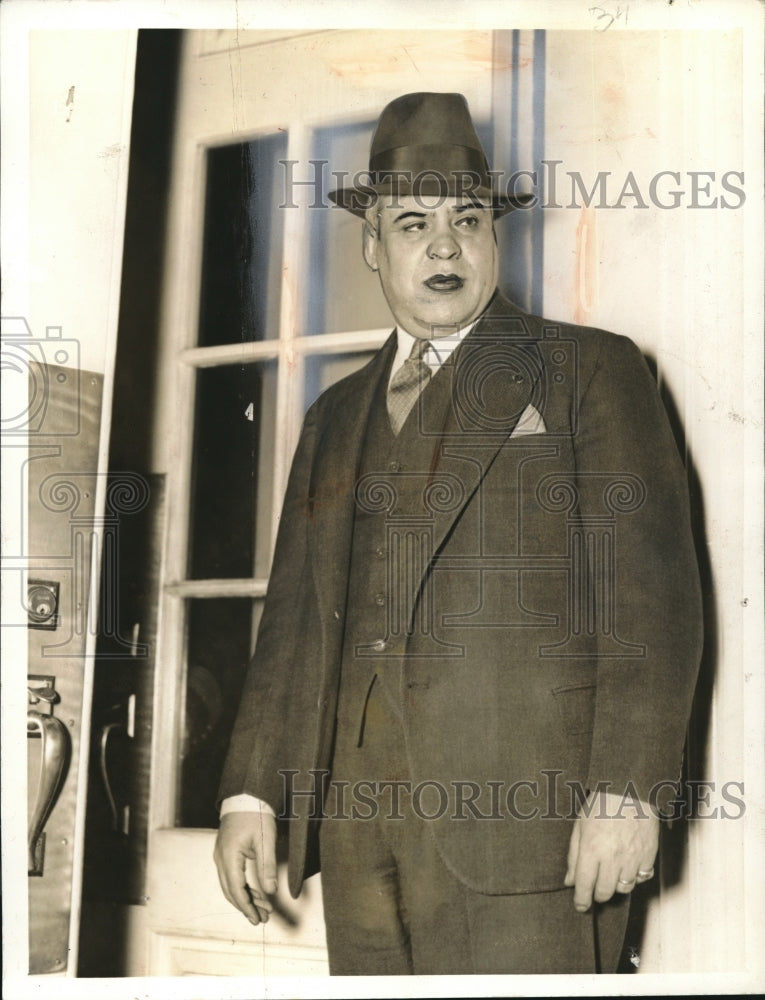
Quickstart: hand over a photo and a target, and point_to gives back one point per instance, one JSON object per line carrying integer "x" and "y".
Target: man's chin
{"x": 450, "y": 311}
{"x": 443, "y": 322}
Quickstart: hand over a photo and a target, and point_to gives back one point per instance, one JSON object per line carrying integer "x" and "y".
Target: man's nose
{"x": 443, "y": 246}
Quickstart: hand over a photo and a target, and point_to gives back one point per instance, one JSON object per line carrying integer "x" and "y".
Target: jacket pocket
{"x": 576, "y": 704}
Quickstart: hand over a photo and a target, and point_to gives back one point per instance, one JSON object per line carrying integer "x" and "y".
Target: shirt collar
{"x": 440, "y": 348}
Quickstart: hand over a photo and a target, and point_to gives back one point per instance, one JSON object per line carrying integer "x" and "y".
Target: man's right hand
{"x": 247, "y": 836}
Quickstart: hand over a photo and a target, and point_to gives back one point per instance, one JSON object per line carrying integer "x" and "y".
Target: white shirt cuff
{"x": 244, "y": 803}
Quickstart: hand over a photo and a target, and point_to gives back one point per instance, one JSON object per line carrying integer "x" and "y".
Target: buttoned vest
{"x": 389, "y": 551}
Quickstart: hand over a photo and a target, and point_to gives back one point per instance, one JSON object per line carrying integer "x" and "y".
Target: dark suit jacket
{"x": 565, "y": 593}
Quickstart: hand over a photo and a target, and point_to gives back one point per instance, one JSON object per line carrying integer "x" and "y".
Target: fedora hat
{"x": 426, "y": 144}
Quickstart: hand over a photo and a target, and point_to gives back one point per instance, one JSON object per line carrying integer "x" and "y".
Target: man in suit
{"x": 480, "y": 640}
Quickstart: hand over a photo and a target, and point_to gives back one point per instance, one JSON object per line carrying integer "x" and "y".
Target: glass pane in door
{"x": 220, "y": 642}
{"x": 243, "y": 238}
{"x": 232, "y": 482}
{"x": 342, "y": 293}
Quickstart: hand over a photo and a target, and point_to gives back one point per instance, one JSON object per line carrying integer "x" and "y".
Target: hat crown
{"x": 425, "y": 119}
{"x": 426, "y": 144}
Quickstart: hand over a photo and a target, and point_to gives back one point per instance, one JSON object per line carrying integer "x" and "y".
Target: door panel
{"x": 119, "y": 773}
{"x": 267, "y": 303}
{"x": 196, "y": 932}
{"x": 63, "y": 462}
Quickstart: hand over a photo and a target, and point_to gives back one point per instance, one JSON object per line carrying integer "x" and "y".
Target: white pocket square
{"x": 529, "y": 422}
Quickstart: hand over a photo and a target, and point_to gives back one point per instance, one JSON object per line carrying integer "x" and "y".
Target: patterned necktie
{"x": 407, "y": 384}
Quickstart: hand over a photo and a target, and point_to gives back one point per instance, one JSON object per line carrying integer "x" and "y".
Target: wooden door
{"x": 267, "y": 302}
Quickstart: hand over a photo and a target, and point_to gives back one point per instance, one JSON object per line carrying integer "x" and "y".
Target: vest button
{"x": 380, "y": 552}
{"x": 394, "y": 467}
{"x": 380, "y": 599}
{"x": 380, "y": 646}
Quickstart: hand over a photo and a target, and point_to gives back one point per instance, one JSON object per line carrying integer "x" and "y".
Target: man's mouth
{"x": 445, "y": 283}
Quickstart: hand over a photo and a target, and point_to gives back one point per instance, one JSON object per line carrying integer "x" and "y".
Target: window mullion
{"x": 289, "y": 388}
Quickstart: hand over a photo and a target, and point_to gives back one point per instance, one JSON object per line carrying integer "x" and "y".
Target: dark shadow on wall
{"x": 116, "y": 824}
{"x": 151, "y": 146}
{"x": 673, "y": 854}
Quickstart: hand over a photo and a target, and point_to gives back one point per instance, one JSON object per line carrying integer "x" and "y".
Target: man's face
{"x": 437, "y": 261}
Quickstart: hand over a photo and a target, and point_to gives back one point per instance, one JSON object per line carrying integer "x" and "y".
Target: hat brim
{"x": 357, "y": 200}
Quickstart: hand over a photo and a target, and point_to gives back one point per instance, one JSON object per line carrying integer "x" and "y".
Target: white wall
{"x": 675, "y": 280}
{"x": 80, "y": 103}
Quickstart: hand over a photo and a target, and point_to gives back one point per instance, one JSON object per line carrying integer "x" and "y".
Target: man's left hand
{"x": 613, "y": 848}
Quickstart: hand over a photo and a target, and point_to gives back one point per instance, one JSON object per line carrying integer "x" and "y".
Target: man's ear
{"x": 369, "y": 246}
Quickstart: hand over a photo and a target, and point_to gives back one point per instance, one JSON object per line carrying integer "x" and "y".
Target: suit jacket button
{"x": 380, "y": 646}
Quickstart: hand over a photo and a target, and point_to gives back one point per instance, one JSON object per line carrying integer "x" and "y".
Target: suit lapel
{"x": 494, "y": 375}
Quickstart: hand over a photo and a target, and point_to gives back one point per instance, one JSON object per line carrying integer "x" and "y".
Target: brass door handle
{"x": 54, "y": 757}
{"x": 106, "y": 732}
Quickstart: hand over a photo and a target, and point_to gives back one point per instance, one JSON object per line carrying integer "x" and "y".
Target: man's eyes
{"x": 464, "y": 222}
